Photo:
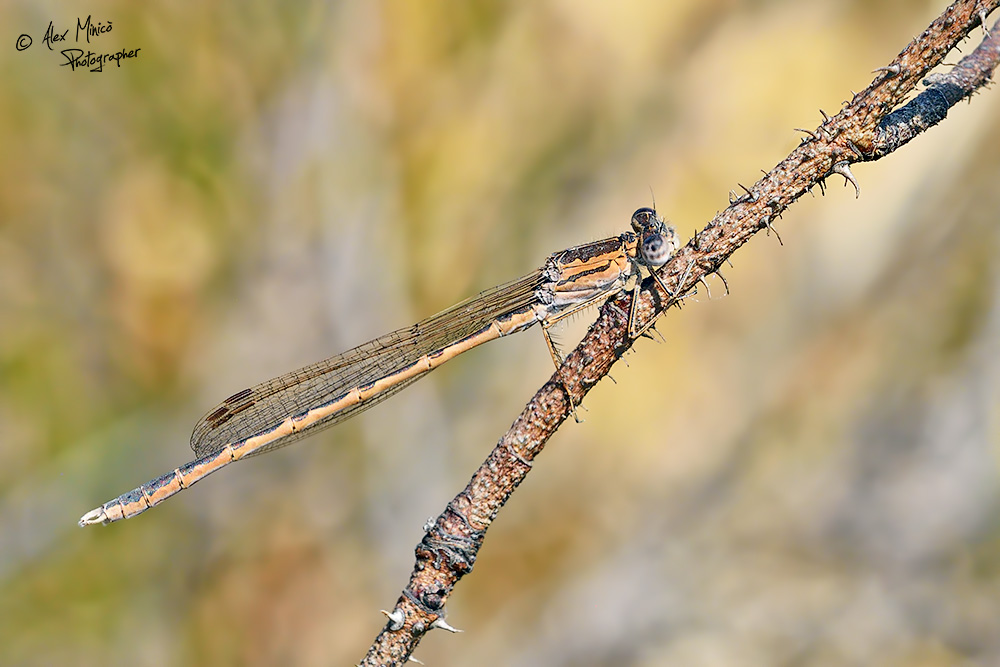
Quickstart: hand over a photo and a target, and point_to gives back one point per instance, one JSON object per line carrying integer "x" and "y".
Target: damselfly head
{"x": 645, "y": 219}
{"x": 657, "y": 241}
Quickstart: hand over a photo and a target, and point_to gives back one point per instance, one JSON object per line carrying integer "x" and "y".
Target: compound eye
{"x": 643, "y": 218}
{"x": 655, "y": 250}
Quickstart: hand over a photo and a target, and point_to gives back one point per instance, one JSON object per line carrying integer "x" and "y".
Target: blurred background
{"x": 806, "y": 473}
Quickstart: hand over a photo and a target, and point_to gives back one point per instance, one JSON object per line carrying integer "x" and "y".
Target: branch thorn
{"x": 723, "y": 279}
{"x": 441, "y": 624}
{"x": 396, "y": 618}
{"x": 844, "y": 169}
{"x": 826, "y": 119}
{"x": 892, "y": 69}
{"x": 767, "y": 223}
{"x": 708, "y": 289}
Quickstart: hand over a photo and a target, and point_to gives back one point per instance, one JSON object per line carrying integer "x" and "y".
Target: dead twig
{"x": 867, "y": 128}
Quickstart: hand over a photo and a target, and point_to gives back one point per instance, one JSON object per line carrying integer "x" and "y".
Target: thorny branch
{"x": 867, "y": 128}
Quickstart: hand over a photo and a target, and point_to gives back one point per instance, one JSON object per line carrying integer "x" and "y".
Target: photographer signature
{"x": 81, "y": 58}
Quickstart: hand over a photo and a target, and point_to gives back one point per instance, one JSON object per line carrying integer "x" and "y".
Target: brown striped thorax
{"x": 574, "y": 276}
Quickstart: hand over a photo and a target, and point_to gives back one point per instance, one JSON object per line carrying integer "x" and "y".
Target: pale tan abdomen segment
{"x": 155, "y": 491}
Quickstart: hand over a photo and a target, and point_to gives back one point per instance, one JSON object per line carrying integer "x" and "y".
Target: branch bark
{"x": 869, "y": 127}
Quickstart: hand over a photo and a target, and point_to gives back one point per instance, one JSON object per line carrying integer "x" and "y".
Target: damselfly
{"x": 282, "y": 410}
